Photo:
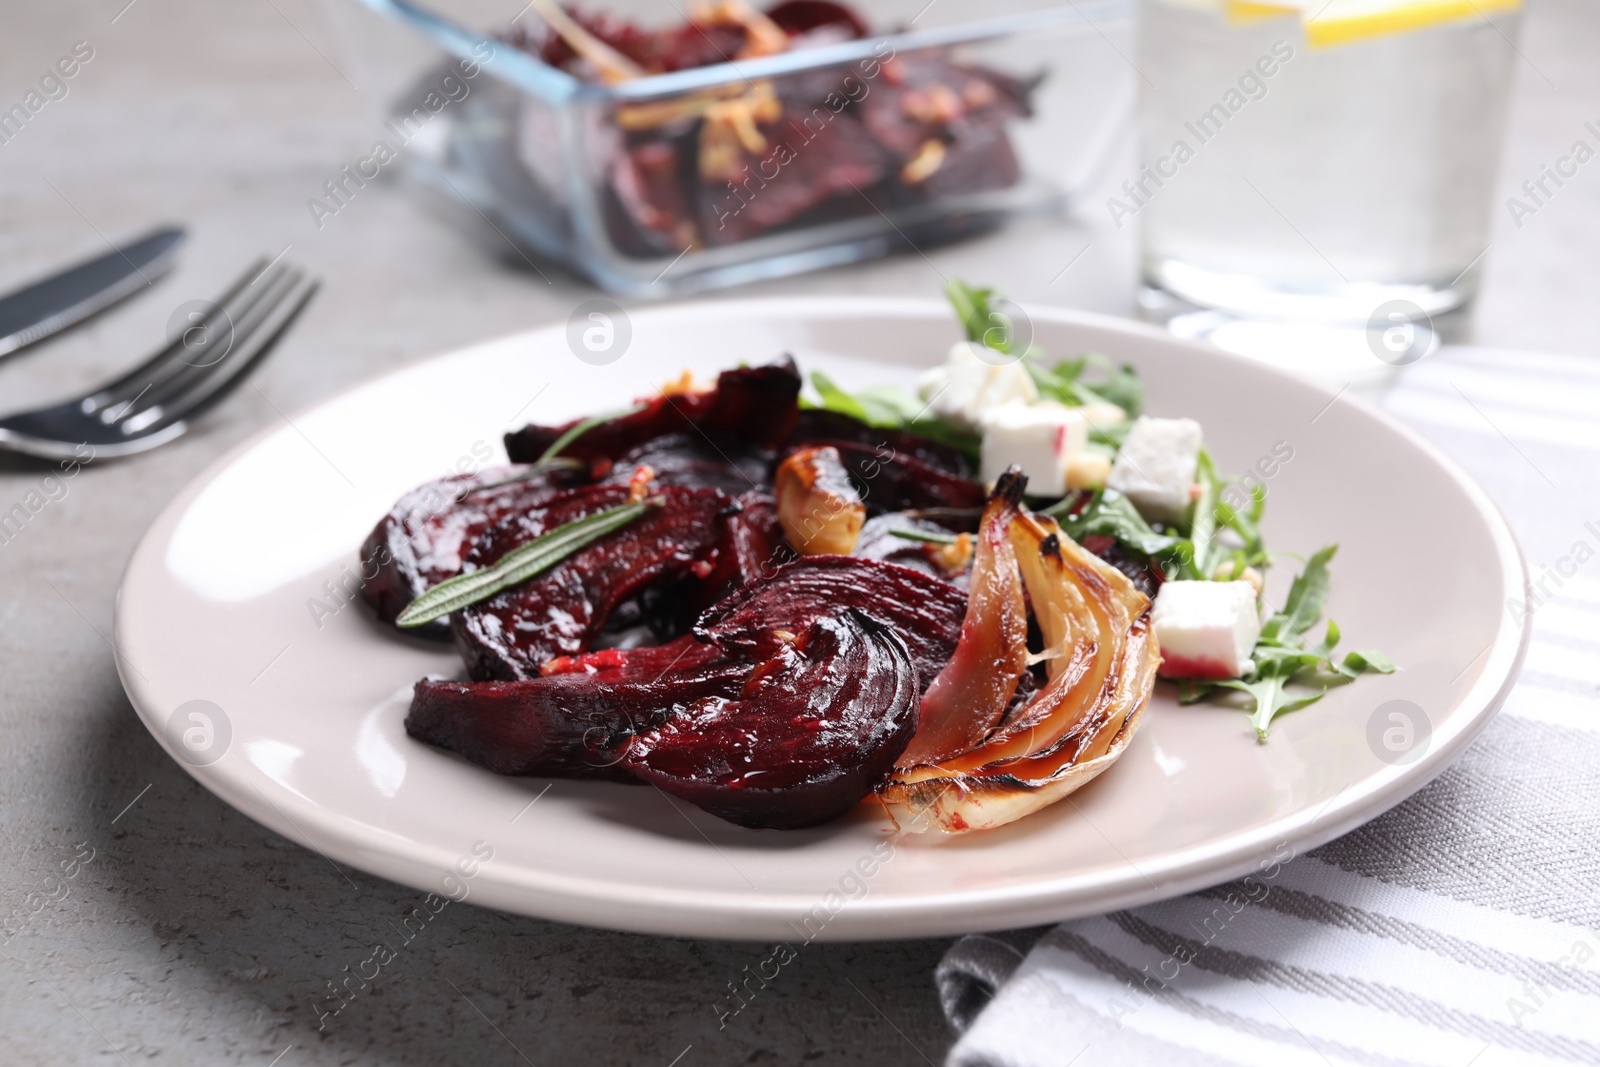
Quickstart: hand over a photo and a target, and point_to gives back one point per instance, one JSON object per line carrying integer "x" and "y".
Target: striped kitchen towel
{"x": 1460, "y": 928}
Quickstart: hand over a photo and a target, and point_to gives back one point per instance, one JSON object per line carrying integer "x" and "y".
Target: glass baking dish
{"x": 718, "y": 175}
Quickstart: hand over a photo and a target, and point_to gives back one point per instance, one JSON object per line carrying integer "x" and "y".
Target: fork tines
{"x": 156, "y": 401}
{"x": 209, "y": 354}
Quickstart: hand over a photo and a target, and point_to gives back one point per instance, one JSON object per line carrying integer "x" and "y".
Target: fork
{"x": 159, "y": 399}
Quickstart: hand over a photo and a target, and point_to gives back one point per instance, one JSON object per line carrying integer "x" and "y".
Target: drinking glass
{"x": 1329, "y": 163}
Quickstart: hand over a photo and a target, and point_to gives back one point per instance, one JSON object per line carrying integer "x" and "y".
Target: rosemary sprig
{"x": 927, "y": 538}
{"x": 583, "y": 427}
{"x": 534, "y": 469}
{"x": 518, "y": 565}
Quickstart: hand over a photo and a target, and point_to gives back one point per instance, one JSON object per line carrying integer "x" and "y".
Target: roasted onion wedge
{"x": 1070, "y": 730}
{"x": 969, "y": 697}
{"x": 959, "y": 802}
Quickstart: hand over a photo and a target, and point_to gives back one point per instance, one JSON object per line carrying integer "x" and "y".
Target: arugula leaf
{"x": 1366, "y": 661}
{"x": 1115, "y": 435}
{"x": 1203, "y": 519}
{"x": 1117, "y": 383}
{"x": 1192, "y": 691}
{"x": 1330, "y": 641}
{"x": 975, "y": 311}
{"x": 1124, "y": 388}
{"x": 1252, "y": 548}
{"x": 1308, "y": 593}
{"x": 1064, "y": 382}
{"x": 1063, "y": 387}
{"x": 836, "y": 399}
{"x": 1110, "y": 514}
{"x": 1279, "y": 661}
{"x": 876, "y": 405}
{"x": 1271, "y": 700}
{"x": 1285, "y": 656}
{"x": 888, "y": 407}
{"x": 984, "y": 323}
{"x": 1219, "y": 541}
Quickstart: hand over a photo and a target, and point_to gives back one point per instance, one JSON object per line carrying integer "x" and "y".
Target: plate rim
{"x": 725, "y": 915}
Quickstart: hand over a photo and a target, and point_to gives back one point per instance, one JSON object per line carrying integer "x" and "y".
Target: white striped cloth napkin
{"x": 1462, "y": 927}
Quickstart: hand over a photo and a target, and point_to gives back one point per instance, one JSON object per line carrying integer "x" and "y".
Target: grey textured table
{"x": 195, "y": 936}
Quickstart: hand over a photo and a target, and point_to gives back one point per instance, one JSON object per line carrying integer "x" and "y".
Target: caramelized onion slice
{"x": 1075, "y": 726}
{"x": 818, "y": 506}
{"x": 980, "y": 802}
{"x": 1099, "y": 604}
{"x": 969, "y": 697}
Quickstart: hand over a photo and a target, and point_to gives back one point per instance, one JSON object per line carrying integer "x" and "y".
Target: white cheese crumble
{"x": 1044, "y": 439}
{"x": 967, "y": 385}
{"x": 1156, "y": 467}
{"x": 1205, "y": 629}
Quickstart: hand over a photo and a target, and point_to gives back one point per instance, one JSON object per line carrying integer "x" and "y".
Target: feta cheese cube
{"x": 1156, "y": 467}
{"x": 1043, "y": 439}
{"x": 1205, "y": 629}
{"x": 968, "y": 384}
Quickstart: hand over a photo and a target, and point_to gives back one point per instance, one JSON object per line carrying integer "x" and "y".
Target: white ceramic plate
{"x": 221, "y": 604}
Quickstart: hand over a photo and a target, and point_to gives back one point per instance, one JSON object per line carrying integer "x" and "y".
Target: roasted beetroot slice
{"x": 897, "y": 481}
{"x": 816, "y": 426}
{"x": 982, "y": 99}
{"x": 560, "y": 612}
{"x": 796, "y": 17}
{"x": 1145, "y": 576}
{"x": 753, "y": 405}
{"x": 646, "y": 210}
{"x": 691, "y": 461}
{"x": 752, "y": 547}
{"x": 979, "y": 157}
{"x": 926, "y": 612}
{"x": 569, "y": 725}
{"x": 878, "y": 541}
{"x": 830, "y": 167}
{"x": 815, "y": 728}
{"x": 423, "y": 539}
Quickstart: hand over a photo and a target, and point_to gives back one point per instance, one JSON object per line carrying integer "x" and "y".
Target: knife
{"x": 65, "y": 299}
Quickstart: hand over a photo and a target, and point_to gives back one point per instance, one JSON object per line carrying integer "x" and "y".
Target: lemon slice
{"x": 1334, "y": 22}
{"x": 1250, "y": 12}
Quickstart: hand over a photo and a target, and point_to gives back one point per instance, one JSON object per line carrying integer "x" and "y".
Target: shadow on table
{"x": 244, "y": 915}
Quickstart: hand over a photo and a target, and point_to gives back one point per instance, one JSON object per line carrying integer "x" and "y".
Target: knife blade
{"x": 36, "y": 311}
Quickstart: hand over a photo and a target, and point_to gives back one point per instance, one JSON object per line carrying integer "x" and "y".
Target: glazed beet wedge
{"x": 560, "y": 612}
{"x": 571, "y": 723}
{"x": 813, "y": 729}
{"x": 425, "y": 537}
{"x": 893, "y": 481}
{"x": 576, "y": 719}
{"x": 690, "y": 461}
{"x": 926, "y": 612}
{"x": 750, "y": 405}
{"x": 422, "y": 540}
